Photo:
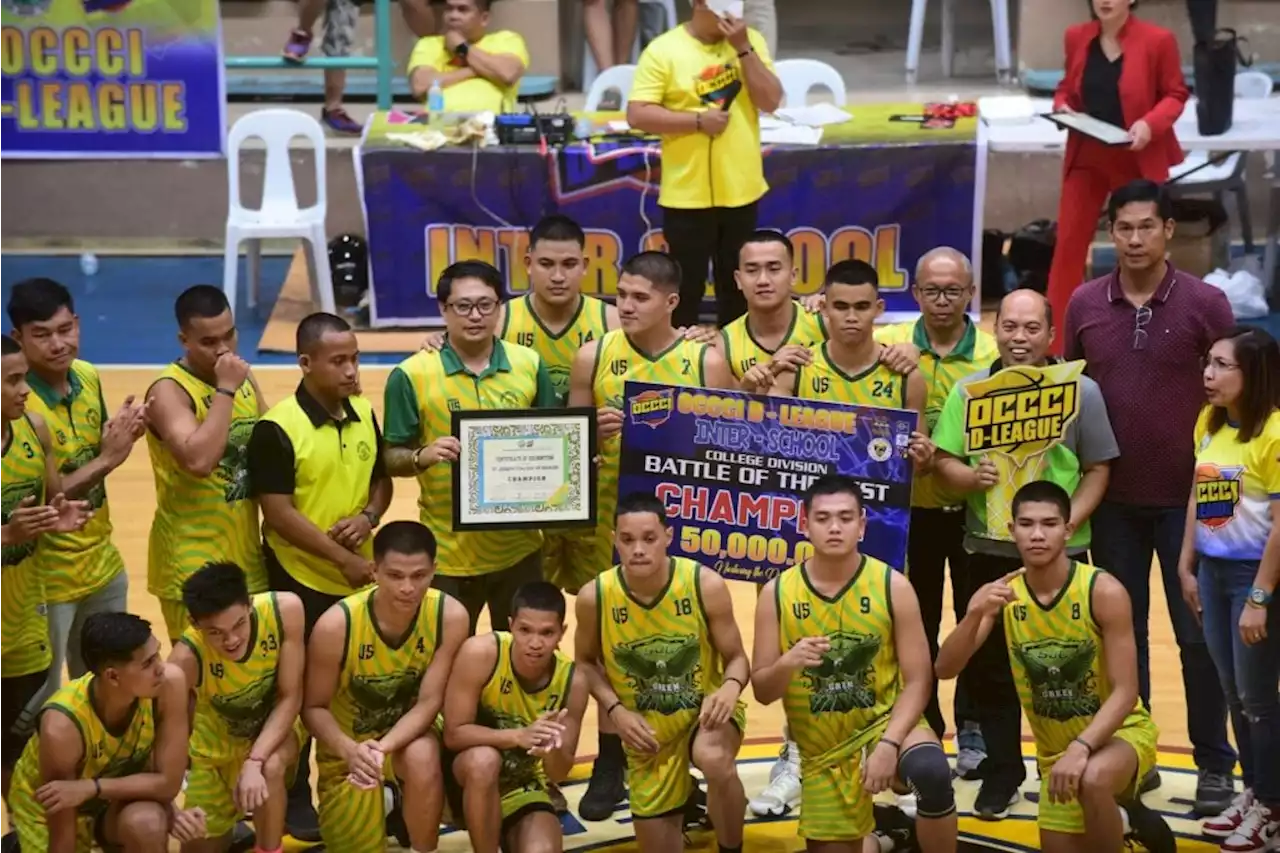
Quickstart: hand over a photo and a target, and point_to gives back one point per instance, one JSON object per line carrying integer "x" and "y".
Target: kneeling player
{"x": 1069, "y": 631}
{"x": 110, "y": 748}
{"x": 377, "y": 666}
{"x": 243, "y": 661}
{"x": 512, "y": 715}
{"x": 840, "y": 641}
{"x": 657, "y": 636}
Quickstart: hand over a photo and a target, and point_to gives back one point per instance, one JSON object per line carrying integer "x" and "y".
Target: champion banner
{"x": 731, "y": 468}
{"x": 111, "y": 78}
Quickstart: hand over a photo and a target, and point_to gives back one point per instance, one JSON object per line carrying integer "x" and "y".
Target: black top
{"x": 1100, "y": 86}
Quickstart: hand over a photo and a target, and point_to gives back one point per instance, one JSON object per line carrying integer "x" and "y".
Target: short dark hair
{"x": 1258, "y": 359}
{"x": 539, "y": 595}
{"x": 35, "y": 300}
{"x": 641, "y": 502}
{"x": 658, "y": 268}
{"x": 404, "y": 537}
{"x": 769, "y": 235}
{"x": 1048, "y": 306}
{"x": 1042, "y": 492}
{"x": 202, "y": 300}
{"x": 852, "y": 271}
{"x": 213, "y": 588}
{"x": 832, "y": 484}
{"x": 1133, "y": 5}
{"x": 110, "y": 639}
{"x": 315, "y": 326}
{"x": 557, "y": 228}
{"x": 485, "y": 272}
{"x": 1139, "y": 191}
{"x": 10, "y": 346}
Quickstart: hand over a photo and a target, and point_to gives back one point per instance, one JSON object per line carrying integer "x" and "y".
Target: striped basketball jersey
{"x": 204, "y": 519}
{"x": 821, "y": 379}
{"x": 1058, "y": 661}
{"x": 850, "y": 696}
{"x": 24, "y": 631}
{"x": 523, "y": 326}
{"x": 659, "y": 657}
{"x": 506, "y": 702}
{"x": 380, "y": 676}
{"x": 76, "y": 564}
{"x": 235, "y": 697}
{"x": 743, "y": 351}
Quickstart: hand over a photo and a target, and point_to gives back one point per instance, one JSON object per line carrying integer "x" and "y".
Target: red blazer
{"x": 1151, "y": 89}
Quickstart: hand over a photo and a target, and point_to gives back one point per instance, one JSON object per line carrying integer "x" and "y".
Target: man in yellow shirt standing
{"x": 479, "y": 71}
{"x": 701, "y": 86}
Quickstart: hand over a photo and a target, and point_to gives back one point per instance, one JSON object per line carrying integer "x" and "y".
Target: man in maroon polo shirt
{"x": 1143, "y": 330}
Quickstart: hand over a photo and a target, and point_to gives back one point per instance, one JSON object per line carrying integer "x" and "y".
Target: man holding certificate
{"x": 473, "y": 370}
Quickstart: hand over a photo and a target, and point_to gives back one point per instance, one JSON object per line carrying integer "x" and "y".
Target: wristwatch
{"x": 1259, "y": 597}
{"x": 374, "y": 518}
{"x": 461, "y": 50}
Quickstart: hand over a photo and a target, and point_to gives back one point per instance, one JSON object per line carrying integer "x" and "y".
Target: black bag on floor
{"x": 1215, "y": 80}
{"x": 993, "y": 263}
{"x": 1031, "y": 253}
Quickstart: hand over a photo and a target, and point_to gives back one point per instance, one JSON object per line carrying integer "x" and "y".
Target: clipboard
{"x": 1104, "y": 132}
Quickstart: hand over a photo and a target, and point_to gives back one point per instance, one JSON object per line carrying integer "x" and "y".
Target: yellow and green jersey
{"x": 235, "y": 697}
{"x": 204, "y": 519}
{"x": 422, "y": 394}
{"x": 821, "y": 379}
{"x": 659, "y": 656}
{"x": 523, "y": 326}
{"x": 975, "y": 350}
{"x": 379, "y": 676}
{"x": 845, "y": 702}
{"x": 76, "y": 565}
{"x": 507, "y": 702}
{"x": 1059, "y": 662}
{"x": 743, "y": 351}
{"x": 24, "y": 630}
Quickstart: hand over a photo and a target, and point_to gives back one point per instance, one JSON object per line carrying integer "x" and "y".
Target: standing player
{"x": 1069, "y": 634}
{"x": 647, "y": 348}
{"x": 200, "y": 413}
{"x": 512, "y": 714}
{"x": 377, "y": 666}
{"x": 839, "y": 639}
{"x": 111, "y": 749}
{"x": 242, "y": 657}
{"x": 657, "y": 638}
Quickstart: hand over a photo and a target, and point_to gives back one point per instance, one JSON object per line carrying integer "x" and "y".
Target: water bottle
{"x": 89, "y": 263}
{"x": 435, "y": 99}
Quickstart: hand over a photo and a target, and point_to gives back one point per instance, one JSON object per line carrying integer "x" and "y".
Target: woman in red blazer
{"x": 1127, "y": 72}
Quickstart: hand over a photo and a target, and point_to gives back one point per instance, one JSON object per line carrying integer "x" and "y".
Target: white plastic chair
{"x": 799, "y": 76}
{"x": 589, "y": 68}
{"x": 618, "y": 77}
{"x": 1254, "y": 85}
{"x": 1000, "y": 38}
{"x": 280, "y": 215}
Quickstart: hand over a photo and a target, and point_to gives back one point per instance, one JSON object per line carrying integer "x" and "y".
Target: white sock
{"x": 416, "y": 850}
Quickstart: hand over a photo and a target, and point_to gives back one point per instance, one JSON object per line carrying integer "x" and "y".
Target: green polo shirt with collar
{"x": 423, "y": 392}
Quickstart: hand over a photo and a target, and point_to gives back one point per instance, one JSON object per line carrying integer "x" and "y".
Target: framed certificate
{"x": 1104, "y": 132}
{"x": 523, "y": 469}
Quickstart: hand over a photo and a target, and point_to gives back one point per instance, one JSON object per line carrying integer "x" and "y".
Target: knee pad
{"x": 925, "y": 770}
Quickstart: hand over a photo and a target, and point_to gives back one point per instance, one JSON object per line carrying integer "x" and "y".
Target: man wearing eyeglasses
{"x": 472, "y": 370}
{"x": 1141, "y": 330}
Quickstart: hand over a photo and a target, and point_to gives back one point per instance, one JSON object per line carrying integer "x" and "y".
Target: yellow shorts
{"x": 1068, "y": 818}
{"x": 211, "y": 786}
{"x": 33, "y": 831}
{"x": 660, "y": 783}
{"x": 176, "y": 621}
{"x": 352, "y": 820}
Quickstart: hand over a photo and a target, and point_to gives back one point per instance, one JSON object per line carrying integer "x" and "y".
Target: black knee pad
{"x": 925, "y": 770}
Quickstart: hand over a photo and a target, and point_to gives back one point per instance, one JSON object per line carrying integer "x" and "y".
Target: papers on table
{"x": 1006, "y": 109}
{"x": 800, "y": 125}
{"x": 774, "y": 132}
{"x": 817, "y": 115}
{"x": 1104, "y": 132}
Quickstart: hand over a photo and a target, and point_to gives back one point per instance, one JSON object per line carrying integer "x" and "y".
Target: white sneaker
{"x": 1223, "y": 825}
{"x": 1256, "y": 833}
{"x": 782, "y": 794}
{"x": 907, "y": 805}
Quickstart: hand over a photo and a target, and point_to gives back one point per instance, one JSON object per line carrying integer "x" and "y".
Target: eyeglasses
{"x": 934, "y": 294}
{"x": 1217, "y": 365}
{"x": 1141, "y": 318}
{"x": 484, "y": 307}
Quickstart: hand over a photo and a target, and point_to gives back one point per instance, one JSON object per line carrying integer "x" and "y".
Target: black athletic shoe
{"x": 242, "y": 838}
{"x": 9, "y": 843}
{"x": 607, "y": 788}
{"x": 893, "y": 823}
{"x": 1150, "y": 782}
{"x": 995, "y": 798}
{"x": 1214, "y": 793}
{"x": 300, "y": 820}
{"x": 396, "y": 827}
{"x": 695, "y": 808}
{"x": 558, "y": 802}
{"x": 1148, "y": 828}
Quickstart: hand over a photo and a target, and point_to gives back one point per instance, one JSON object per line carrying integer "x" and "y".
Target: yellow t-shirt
{"x": 1234, "y": 487}
{"x": 680, "y": 73}
{"x": 477, "y": 94}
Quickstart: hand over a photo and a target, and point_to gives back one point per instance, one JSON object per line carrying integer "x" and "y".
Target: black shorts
{"x": 17, "y": 692}
{"x": 314, "y": 602}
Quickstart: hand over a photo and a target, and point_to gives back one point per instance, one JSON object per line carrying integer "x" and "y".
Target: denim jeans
{"x": 1124, "y": 539}
{"x": 1250, "y": 675}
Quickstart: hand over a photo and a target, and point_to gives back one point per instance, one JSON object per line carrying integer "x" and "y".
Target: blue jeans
{"x": 1250, "y": 675}
{"x": 1124, "y": 540}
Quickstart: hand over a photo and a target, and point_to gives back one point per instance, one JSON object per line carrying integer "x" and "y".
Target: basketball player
{"x": 242, "y": 657}
{"x": 1068, "y": 630}
{"x": 512, "y": 714}
{"x": 647, "y": 348}
{"x": 200, "y": 413}
{"x": 377, "y": 666}
{"x": 839, "y": 640}
{"x": 111, "y": 748}
{"x": 83, "y": 572}
{"x": 656, "y": 636}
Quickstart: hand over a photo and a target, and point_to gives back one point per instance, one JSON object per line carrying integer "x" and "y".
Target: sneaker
{"x": 340, "y": 121}
{"x": 300, "y": 820}
{"x": 995, "y": 798}
{"x": 605, "y": 791}
{"x": 393, "y": 808}
{"x": 295, "y": 49}
{"x": 242, "y": 838}
{"x": 1230, "y": 818}
{"x": 1149, "y": 782}
{"x": 971, "y": 751}
{"x": 782, "y": 794}
{"x": 695, "y": 808}
{"x": 558, "y": 801}
{"x": 9, "y": 843}
{"x": 1148, "y": 828}
{"x": 1256, "y": 833}
{"x": 895, "y": 826}
{"x": 1214, "y": 793}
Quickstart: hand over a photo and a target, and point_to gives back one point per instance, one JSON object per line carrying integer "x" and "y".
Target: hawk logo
{"x": 845, "y": 680}
{"x": 245, "y": 711}
{"x": 233, "y": 467}
{"x": 1217, "y": 493}
{"x": 663, "y": 673}
{"x": 1061, "y": 674}
{"x": 518, "y": 769}
{"x": 381, "y": 700}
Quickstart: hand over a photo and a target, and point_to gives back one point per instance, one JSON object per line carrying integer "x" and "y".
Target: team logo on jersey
{"x": 245, "y": 712}
{"x": 718, "y": 85}
{"x": 1217, "y": 493}
{"x": 663, "y": 673}
{"x": 1021, "y": 412}
{"x": 845, "y": 680}
{"x": 519, "y": 769}
{"x": 651, "y": 408}
{"x": 1061, "y": 674}
{"x": 97, "y": 494}
{"x": 381, "y": 700}
{"x": 233, "y": 467}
